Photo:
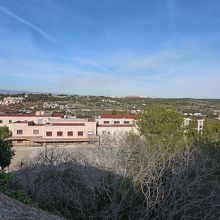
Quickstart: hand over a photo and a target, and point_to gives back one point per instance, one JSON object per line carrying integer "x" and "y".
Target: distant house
{"x": 12, "y": 100}
{"x": 198, "y": 114}
{"x": 200, "y": 123}
{"x": 187, "y": 121}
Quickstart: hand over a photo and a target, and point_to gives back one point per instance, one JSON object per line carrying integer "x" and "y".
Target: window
{"x": 40, "y": 121}
{"x": 126, "y": 122}
{"x": 19, "y": 131}
{"x": 10, "y": 121}
{"x": 59, "y": 133}
{"x": 106, "y": 122}
{"x": 80, "y": 133}
{"x": 19, "y": 142}
{"x": 116, "y": 122}
{"x": 106, "y": 132}
{"x": 48, "y": 133}
{"x": 35, "y": 132}
{"x": 90, "y": 132}
{"x": 69, "y": 133}
{"x": 1, "y": 122}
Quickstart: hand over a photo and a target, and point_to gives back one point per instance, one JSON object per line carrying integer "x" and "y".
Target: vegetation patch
{"x": 6, "y": 187}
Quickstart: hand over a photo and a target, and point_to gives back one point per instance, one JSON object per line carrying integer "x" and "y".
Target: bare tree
{"x": 126, "y": 179}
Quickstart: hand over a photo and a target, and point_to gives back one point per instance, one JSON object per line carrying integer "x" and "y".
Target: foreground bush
{"x": 6, "y": 154}
{"x": 144, "y": 182}
{"x": 6, "y": 187}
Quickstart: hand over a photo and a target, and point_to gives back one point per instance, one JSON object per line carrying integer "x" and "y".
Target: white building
{"x": 115, "y": 125}
{"x": 42, "y": 127}
{"x": 12, "y": 100}
{"x": 200, "y": 123}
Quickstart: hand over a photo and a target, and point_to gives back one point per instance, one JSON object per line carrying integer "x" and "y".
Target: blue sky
{"x": 159, "y": 48}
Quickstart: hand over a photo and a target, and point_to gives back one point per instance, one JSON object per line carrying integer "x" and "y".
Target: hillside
{"x": 12, "y": 209}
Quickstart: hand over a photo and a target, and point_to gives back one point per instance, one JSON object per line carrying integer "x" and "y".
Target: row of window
{"x": 60, "y": 133}
{"x": 50, "y": 133}
{"x": 116, "y": 122}
{"x": 1, "y": 121}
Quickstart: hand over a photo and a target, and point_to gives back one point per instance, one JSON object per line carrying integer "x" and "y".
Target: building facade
{"x": 40, "y": 129}
{"x": 115, "y": 125}
{"x": 48, "y": 128}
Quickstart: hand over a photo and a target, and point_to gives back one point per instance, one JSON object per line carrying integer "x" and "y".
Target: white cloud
{"x": 27, "y": 23}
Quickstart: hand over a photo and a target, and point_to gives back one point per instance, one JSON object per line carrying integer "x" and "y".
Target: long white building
{"x": 41, "y": 128}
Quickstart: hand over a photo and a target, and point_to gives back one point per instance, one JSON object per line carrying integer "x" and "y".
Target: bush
{"x": 6, "y": 153}
{"x": 6, "y": 186}
{"x": 143, "y": 183}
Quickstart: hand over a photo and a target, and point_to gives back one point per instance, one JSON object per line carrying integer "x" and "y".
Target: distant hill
{"x": 5, "y": 91}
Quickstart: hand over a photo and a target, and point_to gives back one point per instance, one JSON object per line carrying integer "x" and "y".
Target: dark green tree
{"x": 162, "y": 126}
{"x": 6, "y": 154}
{"x": 4, "y": 132}
{"x": 209, "y": 135}
{"x": 6, "y": 151}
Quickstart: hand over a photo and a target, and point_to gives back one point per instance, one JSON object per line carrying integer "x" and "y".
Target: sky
{"x": 152, "y": 48}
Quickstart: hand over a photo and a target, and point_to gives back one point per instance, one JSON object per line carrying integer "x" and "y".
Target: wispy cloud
{"x": 85, "y": 61}
{"x": 158, "y": 60}
{"x": 99, "y": 66}
{"x": 27, "y": 23}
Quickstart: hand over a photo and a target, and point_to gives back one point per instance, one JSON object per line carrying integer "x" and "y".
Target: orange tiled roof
{"x": 30, "y": 115}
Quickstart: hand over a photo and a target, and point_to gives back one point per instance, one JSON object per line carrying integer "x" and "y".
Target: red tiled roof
{"x": 57, "y": 115}
{"x": 31, "y": 115}
{"x": 119, "y": 116}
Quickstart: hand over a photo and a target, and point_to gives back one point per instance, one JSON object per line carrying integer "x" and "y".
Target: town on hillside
{"x": 44, "y": 119}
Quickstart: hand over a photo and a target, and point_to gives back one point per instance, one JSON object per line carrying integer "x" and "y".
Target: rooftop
{"x": 30, "y": 115}
{"x": 119, "y": 116}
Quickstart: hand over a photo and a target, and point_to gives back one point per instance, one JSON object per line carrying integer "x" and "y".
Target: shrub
{"x": 6, "y": 153}
{"x": 145, "y": 182}
{"x": 6, "y": 186}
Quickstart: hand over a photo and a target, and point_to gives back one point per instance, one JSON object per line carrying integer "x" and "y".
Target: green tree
{"x": 209, "y": 135}
{"x": 211, "y": 132}
{"x": 162, "y": 126}
{"x": 114, "y": 112}
{"x": 6, "y": 151}
{"x": 4, "y": 132}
